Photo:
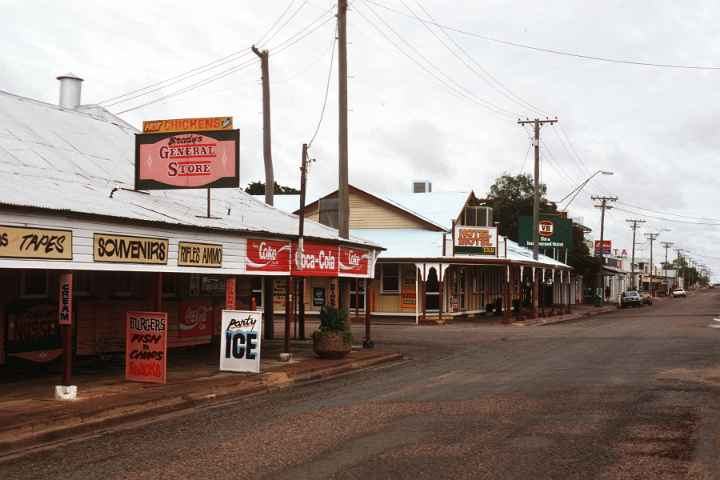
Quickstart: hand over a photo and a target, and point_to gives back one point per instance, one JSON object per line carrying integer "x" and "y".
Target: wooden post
{"x": 268, "y": 307}
{"x": 368, "y": 343}
{"x": 535, "y": 292}
{"x": 301, "y": 303}
{"x": 357, "y": 298}
{"x": 157, "y": 292}
{"x": 441, "y": 294}
{"x": 508, "y": 296}
{"x": 288, "y": 312}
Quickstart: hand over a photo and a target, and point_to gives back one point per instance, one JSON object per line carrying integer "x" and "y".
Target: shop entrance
{"x": 432, "y": 292}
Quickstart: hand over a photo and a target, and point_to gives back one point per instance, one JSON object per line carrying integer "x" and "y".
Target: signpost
{"x": 475, "y": 240}
{"x": 240, "y": 341}
{"x": 146, "y": 347}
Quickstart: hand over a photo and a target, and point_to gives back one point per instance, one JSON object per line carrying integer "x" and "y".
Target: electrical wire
{"x": 261, "y": 40}
{"x": 289, "y": 19}
{"x": 555, "y": 51}
{"x": 327, "y": 89}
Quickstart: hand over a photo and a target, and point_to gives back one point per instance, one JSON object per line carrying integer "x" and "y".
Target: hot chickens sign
{"x": 317, "y": 260}
{"x": 268, "y": 255}
{"x": 354, "y": 261}
{"x": 187, "y": 160}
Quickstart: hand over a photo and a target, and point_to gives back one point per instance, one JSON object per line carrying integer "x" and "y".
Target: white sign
{"x": 240, "y": 341}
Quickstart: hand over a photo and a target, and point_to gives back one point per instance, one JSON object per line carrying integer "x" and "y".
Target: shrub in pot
{"x": 333, "y": 339}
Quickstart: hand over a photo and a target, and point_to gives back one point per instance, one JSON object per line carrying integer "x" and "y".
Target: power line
{"x": 261, "y": 40}
{"x": 286, "y": 21}
{"x": 327, "y": 89}
{"x": 554, "y": 51}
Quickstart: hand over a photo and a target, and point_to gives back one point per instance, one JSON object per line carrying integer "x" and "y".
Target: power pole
{"x": 268, "y": 284}
{"x": 267, "y": 143}
{"x": 301, "y": 232}
{"x": 537, "y": 123}
{"x": 603, "y": 206}
{"x": 667, "y": 246}
{"x": 634, "y": 227}
{"x": 343, "y": 193}
{"x": 652, "y": 237}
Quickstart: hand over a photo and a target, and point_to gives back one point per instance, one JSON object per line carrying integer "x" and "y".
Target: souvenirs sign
{"x": 354, "y": 261}
{"x": 240, "y": 341}
{"x": 187, "y": 160}
{"x": 126, "y": 249}
{"x": 475, "y": 240}
{"x": 146, "y": 347}
{"x": 41, "y": 243}
{"x": 199, "y": 255}
{"x": 188, "y": 125}
{"x": 268, "y": 255}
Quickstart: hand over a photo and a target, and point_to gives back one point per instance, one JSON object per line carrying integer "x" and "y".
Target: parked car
{"x": 679, "y": 292}
{"x": 630, "y": 298}
{"x": 646, "y": 298}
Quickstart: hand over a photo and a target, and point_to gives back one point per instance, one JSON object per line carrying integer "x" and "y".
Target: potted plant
{"x": 333, "y": 339}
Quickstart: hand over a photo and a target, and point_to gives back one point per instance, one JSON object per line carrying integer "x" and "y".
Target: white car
{"x": 679, "y": 292}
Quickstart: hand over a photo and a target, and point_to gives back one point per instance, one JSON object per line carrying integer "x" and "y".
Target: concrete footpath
{"x": 29, "y": 415}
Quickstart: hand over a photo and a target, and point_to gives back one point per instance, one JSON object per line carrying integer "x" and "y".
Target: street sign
{"x": 240, "y": 341}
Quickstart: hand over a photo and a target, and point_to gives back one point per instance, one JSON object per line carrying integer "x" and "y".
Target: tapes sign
{"x": 199, "y": 255}
{"x": 146, "y": 347}
{"x": 240, "y": 341}
{"x": 188, "y": 125}
{"x": 187, "y": 160}
{"x": 475, "y": 240}
{"x": 126, "y": 249}
{"x": 354, "y": 261}
{"x": 42, "y": 243}
{"x": 553, "y": 231}
{"x": 268, "y": 255}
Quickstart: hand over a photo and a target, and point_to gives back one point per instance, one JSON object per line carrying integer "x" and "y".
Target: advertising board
{"x": 606, "y": 247}
{"x": 199, "y": 255}
{"x": 44, "y": 243}
{"x": 475, "y": 240}
{"x": 112, "y": 248}
{"x": 240, "y": 342}
{"x": 265, "y": 255}
{"x": 318, "y": 260}
{"x": 65, "y": 299}
{"x": 146, "y": 347}
{"x": 553, "y": 231}
{"x": 354, "y": 261}
{"x": 188, "y": 124}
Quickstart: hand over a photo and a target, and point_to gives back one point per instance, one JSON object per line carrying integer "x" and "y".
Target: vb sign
{"x": 546, "y": 228}
{"x": 240, "y": 341}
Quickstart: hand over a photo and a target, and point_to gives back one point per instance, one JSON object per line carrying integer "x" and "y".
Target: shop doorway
{"x": 432, "y": 292}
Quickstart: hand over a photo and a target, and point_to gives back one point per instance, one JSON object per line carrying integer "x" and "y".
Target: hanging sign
{"x": 188, "y": 125}
{"x": 240, "y": 341}
{"x": 268, "y": 255}
{"x": 146, "y": 347}
{"x": 47, "y": 244}
{"x": 354, "y": 261}
{"x": 199, "y": 255}
{"x": 230, "y": 293}
{"x": 475, "y": 240}
{"x": 318, "y": 260}
{"x": 126, "y": 249}
{"x": 65, "y": 299}
{"x": 187, "y": 160}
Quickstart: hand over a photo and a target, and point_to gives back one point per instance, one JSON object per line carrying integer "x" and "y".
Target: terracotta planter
{"x": 330, "y": 345}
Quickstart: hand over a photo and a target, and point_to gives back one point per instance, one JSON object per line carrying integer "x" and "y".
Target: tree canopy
{"x": 511, "y": 196}
{"x": 258, "y": 188}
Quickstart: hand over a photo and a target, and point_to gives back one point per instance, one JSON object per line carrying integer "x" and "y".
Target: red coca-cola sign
{"x": 268, "y": 255}
{"x": 317, "y": 260}
{"x": 354, "y": 261}
{"x": 195, "y": 318}
{"x": 187, "y": 160}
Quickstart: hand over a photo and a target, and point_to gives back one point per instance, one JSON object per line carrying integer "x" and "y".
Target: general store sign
{"x": 187, "y": 160}
{"x": 240, "y": 341}
{"x": 199, "y": 255}
{"x": 475, "y": 240}
{"x": 317, "y": 260}
{"x": 146, "y": 347}
{"x": 188, "y": 125}
{"x": 126, "y": 249}
{"x": 43, "y": 243}
{"x": 354, "y": 261}
{"x": 268, "y": 255}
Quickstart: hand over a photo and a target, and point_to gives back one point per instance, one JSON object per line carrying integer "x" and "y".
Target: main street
{"x": 631, "y": 394}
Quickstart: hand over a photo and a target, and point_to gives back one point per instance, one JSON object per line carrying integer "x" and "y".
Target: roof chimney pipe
{"x": 70, "y": 90}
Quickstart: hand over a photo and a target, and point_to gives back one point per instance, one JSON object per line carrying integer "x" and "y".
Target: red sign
{"x": 230, "y": 293}
{"x": 146, "y": 347}
{"x": 195, "y": 318}
{"x": 354, "y": 261}
{"x": 65, "y": 299}
{"x": 607, "y": 247}
{"x": 318, "y": 260}
{"x": 268, "y": 255}
{"x": 187, "y": 160}
{"x": 546, "y": 228}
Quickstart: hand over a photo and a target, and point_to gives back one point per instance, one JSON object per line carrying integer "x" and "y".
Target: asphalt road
{"x": 632, "y": 394}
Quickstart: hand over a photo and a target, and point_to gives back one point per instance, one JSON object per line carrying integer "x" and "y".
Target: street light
{"x": 575, "y": 191}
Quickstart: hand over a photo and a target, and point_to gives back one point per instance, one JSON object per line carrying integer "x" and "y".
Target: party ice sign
{"x": 240, "y": 341}
{"x": 146, "y": 347}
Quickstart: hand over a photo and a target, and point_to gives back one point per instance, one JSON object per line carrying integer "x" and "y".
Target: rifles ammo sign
{"x": 199, "y": 255}
{"x": 127, "y": 249}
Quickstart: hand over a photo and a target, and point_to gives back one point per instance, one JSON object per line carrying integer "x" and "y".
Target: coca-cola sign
{"x": 268, "y": 255}
{"x": 195, "y": 318}
{"x": 354, "y": 261}
{"x": 187, "y": 160}
{"x": 317, "y": 260}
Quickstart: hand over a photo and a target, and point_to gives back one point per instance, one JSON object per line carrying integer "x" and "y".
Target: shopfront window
{"x": 357, "y": 295}
{"x": 34, "y": 284}
{"x": 390, "y": 280}
{"x": 170, "y": 285}
{"x": 82, "y": 283}
{"x": 126, "y": 284}
{"x": 256, "y": 291}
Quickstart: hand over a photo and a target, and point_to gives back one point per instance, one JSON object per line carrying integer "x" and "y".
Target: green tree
{"x": 258, "y": 188}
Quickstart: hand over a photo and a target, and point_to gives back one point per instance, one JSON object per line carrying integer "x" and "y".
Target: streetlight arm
{"x": 582, "y": 185}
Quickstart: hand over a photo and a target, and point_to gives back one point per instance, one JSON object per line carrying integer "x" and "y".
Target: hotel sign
{"x": 199, "y": 255}
{"x": 126, "y": 249}
{"x": 475, "y": 240}
{"x": 35, "y": 243}
{"x": 188, "y": 125}
{"x": 187, "y": 160}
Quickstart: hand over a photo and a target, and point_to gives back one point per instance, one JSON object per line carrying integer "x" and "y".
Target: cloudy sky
{"x": 448, "y": 115}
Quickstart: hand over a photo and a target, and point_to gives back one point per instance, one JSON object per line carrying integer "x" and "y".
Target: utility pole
{"x": 301, "y": 231}
{"x": 667, "y": 246}
{"x": 634, "y": 227}
{"x": 343, "y": 193}
{"x": 537, "y": 123}
{"x": 652, "y": 237}
{"x": 603, "y": 206}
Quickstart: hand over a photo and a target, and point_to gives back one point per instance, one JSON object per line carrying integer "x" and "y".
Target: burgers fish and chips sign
{"x": 187, "y": 153}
